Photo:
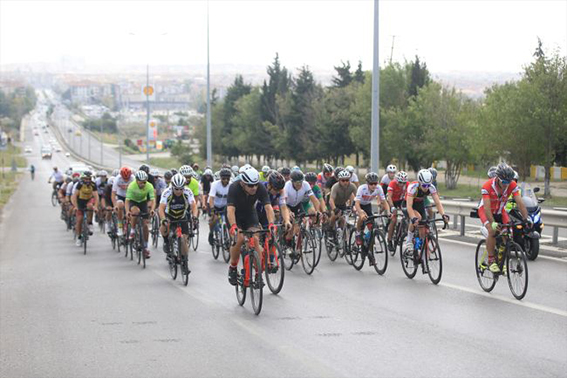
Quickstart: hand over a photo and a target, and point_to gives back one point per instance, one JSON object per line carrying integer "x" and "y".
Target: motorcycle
{"x": 529, "y": 240}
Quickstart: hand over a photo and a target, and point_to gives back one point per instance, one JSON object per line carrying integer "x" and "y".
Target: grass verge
{"x": 8, "y": 184}
{"x": 166, "y": 163}
{"x": 13, "y": 152}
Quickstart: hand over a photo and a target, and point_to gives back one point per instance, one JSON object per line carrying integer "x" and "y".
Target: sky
{"x": 490, "y": 36}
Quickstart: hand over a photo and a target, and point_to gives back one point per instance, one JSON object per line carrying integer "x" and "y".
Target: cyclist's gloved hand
{"x": 414, "y": 220}
{"x": 233, "y": 229}
{"x": 273, "y": 228}
{"x": 446, "y": 218}
{"x": 494, "y": 226}
{"x": 164, "y": 221}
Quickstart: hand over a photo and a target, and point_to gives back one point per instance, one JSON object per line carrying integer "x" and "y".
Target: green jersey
{"x": 193, "y": 186}
{"x": 134, "y": 193}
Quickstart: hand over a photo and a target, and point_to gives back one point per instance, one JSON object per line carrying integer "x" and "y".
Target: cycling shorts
{"x": 184, "y": 225}
{"x": 82, "y": 204}
{"x": 143, "y": 206}
{"x": 296, "y": 210}
{"x": 420, "y": 208}
{"x": 367, "y": 209}
{"x": 499, "y": 218}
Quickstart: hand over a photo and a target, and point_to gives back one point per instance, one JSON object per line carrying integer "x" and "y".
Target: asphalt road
{"x": 65, "y": 314}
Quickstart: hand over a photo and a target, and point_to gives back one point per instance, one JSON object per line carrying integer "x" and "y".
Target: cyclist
{"x": 415, "y": 195}
{"x": 151, "y": 178}
{"x": 396, "y": 194}
{"x": 119, "y": 189}
{"x": 32, "y": 171}
{"x": 325, "y": 174}
{"x": 160, "y": 185}
{"x": 234, "y": 170}
{"x": 167, "y": 178}
{"x": 242, "y": 214}
{"x": 389, "y": 176}
{"x": 353, "y": 175}
{"x": 342, "y": 195}
{"x": 264, "y": 173}
{"x": 140, "y": 200}
{"x": 85, "y": 197}
{"x": 311, "y": 178}
{"x": 107, "y": 199}
{"x": 57, "y": 177}
{"x": 427, "y": 201}
{"x": 101, "y": 183}
{"x": 365, "y": 194}
{"x": 297, "y": 191}
{"x": 217, "y": 199}
{"x": 69, "y": 190}
{"x": 495, "y": 194}
{"x": 191, "y": 183}
{"x": 206, "y": 181}
{"x": 285, "y": 172}
{"x": 275, "y": 186}
{"x": 198, "y": 172}
{"x": 175, "y": 203}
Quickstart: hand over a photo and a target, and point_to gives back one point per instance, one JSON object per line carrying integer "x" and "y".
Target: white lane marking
{"x": 563, "y": 260}
{"x": 533, "y": 306}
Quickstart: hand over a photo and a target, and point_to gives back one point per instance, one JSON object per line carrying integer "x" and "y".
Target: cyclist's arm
{"x": 314, "y": 201}
{"x": 270, "y": 212}
{"x": 113, "y": 198}
{"x": 74, "y": 199}
{"x": 386, "y": 206}
{"x": 161, "y": 211}
{"x": 487, "y": 210}
{"x": 127, "y": 205}
{"x": 411, "y": 213}
{"x": 231, "y": 214}
{"x": 389, "y": 196}
{"x": 97, "y": 199}
{"x": 194, "y": 209}
{"x": 151, "y": 205}
{"x": 361, "y": 213}
{"x": 285, "y": 213}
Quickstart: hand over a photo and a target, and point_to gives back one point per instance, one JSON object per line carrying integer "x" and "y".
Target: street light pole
{"x": 209, "y": 141}
{"x": 101, "y": 151}
{"x": 148, "y": 114}
{"x": 89, "y": 146}
{"x": 375, "y": 133}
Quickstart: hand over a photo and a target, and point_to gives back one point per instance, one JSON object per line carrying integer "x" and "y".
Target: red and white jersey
{"x": 498, "y": 198}
{"x": 418, "y": 194}
{"x": 120, "y": 185}
{"x": 398, "y": 192}
{"x": 365, "y": 196}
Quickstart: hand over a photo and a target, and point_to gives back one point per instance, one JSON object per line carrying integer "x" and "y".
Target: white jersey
{"x": 353, "y": 177}
{"x": 56, "y": 176}
{"x": 74, "y": 188}
{"x": 295, "y": 197}
{"x": 219, "y": 193}
{"x": 120, "y": 185}
{"x": 69, "y": 189}
{"x": 160, "y": 186}
{"x": 100, "y": 186}
{"x": 385, "y": 180}
{"x": 365, "y": 196}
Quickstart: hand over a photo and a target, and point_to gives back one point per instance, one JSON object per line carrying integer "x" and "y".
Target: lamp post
{"x": 147, "y": 91}
{"x": 209, "y": 141}
{"x": 375, "y": 133}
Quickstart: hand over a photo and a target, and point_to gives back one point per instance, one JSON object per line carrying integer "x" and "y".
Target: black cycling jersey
{"x": 246, "y": 214}
{"x": 206, "y": 181}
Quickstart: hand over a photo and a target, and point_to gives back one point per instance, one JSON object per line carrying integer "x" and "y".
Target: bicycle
{"x": 55, "y": 195}
{"x": 301, "y": 246}
{"x": 249, "y": 273}
{"x": 373, "y": 246}
{"x": 272, "y": 261}
{"x": 174, "y": 255}
{"x": 155, "y": 230}
{"x": 511, "y": 260}
{"x": 138, "y": 242}
{"x": 193, "y": 240}
{"x": 221, "y": 239}
{"x": 335, "y": 239}
{"x": 425, "y": 252}
{"x": 85, "y": 231}
{"x": 113, "y": 232}
{"x": 400, "y": 232}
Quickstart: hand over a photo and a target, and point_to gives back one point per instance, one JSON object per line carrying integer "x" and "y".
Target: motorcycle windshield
{"x": 528, "y": 196}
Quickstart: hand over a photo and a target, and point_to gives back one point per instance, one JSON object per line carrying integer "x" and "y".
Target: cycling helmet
{"x": 144, "y": 168}
{"x": 296, "y": 168}
{"x": 88, "y": 174}
{"x": 76, "y": 175}
{"x": 216, "y": 176}
{"x": 68, "y": 179}
{"x": 276, "y": 180}
{"x": 311, "y": 177}
{"x": 266, "y": 169}
{"x": 250, "y": 176}
{"x": 491, "y": 172}
{"x": 225, "y": 172}
{"x": 195, "y": 166}
{"x": 504, "y": 172}
{"x": 343, "y": 174}
{"x": 285, "y": 171}
{"x": 167, "y": 175}
{"x": 208, "y": 172}
{"x": 391, "y": 168}
{"x": 234, "y": 169}
{"x": 115, "y": 173}
{"x": 125, "y": 172}
{"x": 186, "y": 170}
{"x": 174, "y": 171}
{"x": 102, "y": 173}
{"x": 350, "y": 169}
{"x": 516, "y": 176}
{"x": 178, "y": 181}
{"x": 111, "y": 181}
{"x": 296, "y": 175}
{"x": 424, "y": 176}
{"x": 371, "y": 177}
{"x": 327, "y": 168}
{"x": 402, "y": 177}
{"x": 337, "y": 171}
{"x": 155, "y": 172}
{"x": 141, "y": 176}
{"x": 433, "y": 172}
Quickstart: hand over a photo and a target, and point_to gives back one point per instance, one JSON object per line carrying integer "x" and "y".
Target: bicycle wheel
{"x": 85, "y": 232}
{"x": 357, "y": 255}
{"x": 274, "y": 268}
{"x": 155, "y": 230}
{"x": 484, "y": 276}
{"x": 330, "y": 246}
{"x": 433, "y": 259}
{"x": 225, "y": 244}
{"x": 195, "y": 239}
{"x": 54, "y": 198}
{"x": 287, "y": 251}
{"x": 240, "y": 287}
{"x": 308, "y": 253}
{"x": 141, "y": 246}
{"x": 317, "y": 236}
{"x": 379, "y": 249}
{"x": 517, "y": 271}
{"x": 184, "y": 268}
{"x": 216, "y": 246}
{"x": 256, "y": 282}
{"x": 408, "y": 263}
{"x": 171, "y": 258}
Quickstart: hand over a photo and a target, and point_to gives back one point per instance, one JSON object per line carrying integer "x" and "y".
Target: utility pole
{"x": 209, "y": 133}
{"x": 375, "y": 133}
{"x": 148, "y": 114}
{"x": 392, "y": 50}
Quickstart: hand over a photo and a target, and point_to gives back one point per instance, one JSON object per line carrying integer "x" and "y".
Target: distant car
{"x": 46, "y": 152}
{"x": 78, "y": 167}
{"x": 77, "y": 133}
{"x": 57, "y": 148}
{"x": 36, "y": 132}
{"x": 28, "y": 150}
{"x": 67, "y": 154}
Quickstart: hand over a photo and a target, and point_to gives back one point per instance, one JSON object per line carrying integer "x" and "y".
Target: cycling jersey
{"x": 160, "y": 186}
{"x": 70, "y": 189}
{"x": 276, "y": 200}
{"x": 341, "y": 194}
{"x": 365, "y": 196}
{"x": 219, "y": 193}
{"x": 322, "y": 180}
{"x": 137, "y": 194}
{"x": 353, "y": 177}
{"x": 295, "y": 197}
{"x": 414, "y": 190}
{"x": 498, "y": 198}
{"x": 193, "y": 186}
{"x": 120, "y": 185}
{"x": 206, "y": 181}
{"x": 385, "y": 182}
{"x": 398, "y": 192}
{"x": 245, "y": 211}
{"x": 176, "y": 205}
{"x": 263, "y": 177}
{"x": 316, "y": 192}
{"x": 56, "y": 176}
{"x": 100, "y": 185}
{"x": 85, "y": 190}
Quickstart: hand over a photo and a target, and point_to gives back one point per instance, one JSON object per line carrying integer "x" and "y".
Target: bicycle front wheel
{"x": 517, "y": 271}
{"x": 256, "y": 282}
{"x": 308, "y": 253}
{"x": 225, "y": 244}
{"x": 216, "y": 246}
{"x": 356, "y": 255}
{"x": 484, "y": 276}
{"x": 240, "y": 286}
{"x": 330, "y": 246}
{"x": 155, "y": 230}
{"x": 54, "y": 199}
{"x": 171, "y": 258}
{"x": 274, "y": 267}
{"x": 317, "y": 236}
{"x": 195, "y": 239}
{"x": 380, "y": 251}
{"x": 409, "y": 265}
{"x": 433, "y": 259}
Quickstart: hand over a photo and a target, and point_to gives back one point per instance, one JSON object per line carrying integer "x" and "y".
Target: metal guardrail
{"x": 554, "y": 218}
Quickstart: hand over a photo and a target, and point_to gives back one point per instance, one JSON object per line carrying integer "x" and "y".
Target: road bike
{"x": 301, "y": 246}
{"x": 55, "y": 195}
{"x": 400, "y": 232}
{"x": 221, "y": 238}
{"x": 511, "y": 260}
{"x": 249, "y": 273}
{"x": 174, "y": 255}
{"x": 425, "y": 252}
{"x": 272, "y": 261}
{"x": 373, "y": 245}
{"x": 137, "y": 243}
{"x": 193, "y": 232}
{"x": 154, "y": 232}
{"x": 335, "y": 238}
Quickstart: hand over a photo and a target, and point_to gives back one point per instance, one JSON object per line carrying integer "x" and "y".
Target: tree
{"x": 279, "y": 82}
{"x": 418, "y": 76}
{"x": 344, "y": 76}
{"x": 359, "y": 74}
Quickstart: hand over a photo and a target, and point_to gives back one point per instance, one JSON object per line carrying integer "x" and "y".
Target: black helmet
{"x": 296, "y": 176}
{"x": 167, "y": 175}
{"x": 145, "y": 168}
{"x": 174, "y": 171}
{"x": 225, "y": 172}
{"x": 337, "y": 171}
{"x": 311, "y": 177}
{"x": 327, "y": 168}
{"x": 285, "y": 171}
{"x": 87, "y": 174}
{"x": 371, "y": 177}
{"x": 504, "y": 172}
{"x": 276, "y": 180}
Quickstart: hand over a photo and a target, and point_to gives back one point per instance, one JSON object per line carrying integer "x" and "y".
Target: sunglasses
{"x": 251, "y": 185}
{"x": 372, "y": 183}
{"x": 345, "y": 180}
{"x": 425, "y": 185}
{"x": 505, "y": 182}
{"x": 177, "y": 189}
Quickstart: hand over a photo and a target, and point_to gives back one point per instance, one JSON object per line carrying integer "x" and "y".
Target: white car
{"x": 57, "y": 148}
{"x": 28, "y": 150}
{"x": 67, "y": 154}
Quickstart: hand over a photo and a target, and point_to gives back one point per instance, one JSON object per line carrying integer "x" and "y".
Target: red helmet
{"x": 125, "y": 172}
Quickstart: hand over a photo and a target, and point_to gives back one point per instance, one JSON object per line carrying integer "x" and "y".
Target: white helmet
{"x": 250, "y": 176}
{"x": 141, "y": 176}
{"x": 154, "y": 172}
{"x": 265, "y": 169}
{"x": 115, "y": 173}
{"x": 102, "y": 173}
{"x": 208, "y": 172}
{"x": 350, "y": 168}
{"x": 186, "y": 170}
{"x": 296, "y": 168}
{"x": 234, "y": 169}
{"x": 344, "y": 174}
{"x": 178, "y": 181}
{"x": 391, "y": 168}
{"x": 425, "y": 177}
{"x": 402, "y": 177}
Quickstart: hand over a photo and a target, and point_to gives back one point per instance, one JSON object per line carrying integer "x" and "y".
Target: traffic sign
{"x": 148, "y": 90}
